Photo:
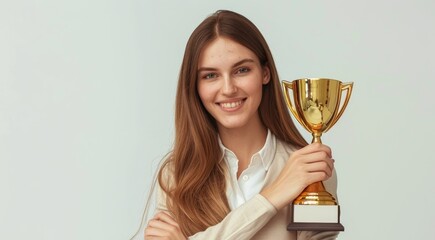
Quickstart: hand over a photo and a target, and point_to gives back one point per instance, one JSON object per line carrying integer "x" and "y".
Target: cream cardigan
{"x": 257, "y": 218}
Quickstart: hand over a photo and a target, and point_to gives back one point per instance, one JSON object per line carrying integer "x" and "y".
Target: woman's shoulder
{"x": 282, "y": 153}
{"x": 285, "y": 148}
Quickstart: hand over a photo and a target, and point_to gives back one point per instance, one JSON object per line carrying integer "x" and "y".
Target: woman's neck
{"x": 244, "y": 142}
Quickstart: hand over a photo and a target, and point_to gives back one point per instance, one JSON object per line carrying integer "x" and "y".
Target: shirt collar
{"x": 266, "y": 153}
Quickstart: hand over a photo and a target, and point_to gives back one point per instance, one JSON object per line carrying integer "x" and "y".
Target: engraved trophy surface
{"x": 316, "y": 106}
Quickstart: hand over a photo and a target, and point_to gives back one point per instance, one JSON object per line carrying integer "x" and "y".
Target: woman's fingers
{"x": 322, "y": 166}
{"x": 313, "y": 158}
{"x": 157, "y": 224}
{"x": 165, "y": 217}
{"x": 315, "y": 147}
{"x": 163, "y": 226}
{"x": 152, "y": 231}
{"x": 315, "y": 153}
{"x": 317, "y": 162}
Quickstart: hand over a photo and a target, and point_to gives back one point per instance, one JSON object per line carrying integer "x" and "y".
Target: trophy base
{"x": 315, "y": 227}
{"x": 315, "y": 218}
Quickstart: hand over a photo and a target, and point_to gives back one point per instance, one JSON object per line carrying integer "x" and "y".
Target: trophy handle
{"x": 289, "y": 85}
{"x": 348, "y": 87}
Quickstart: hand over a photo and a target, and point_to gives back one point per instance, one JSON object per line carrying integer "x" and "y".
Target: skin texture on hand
{"x": 163, "y": 227}
{"x": 305, "y": 166}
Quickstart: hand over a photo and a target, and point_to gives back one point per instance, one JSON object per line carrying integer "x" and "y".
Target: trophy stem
{"x": 316, "y": 137}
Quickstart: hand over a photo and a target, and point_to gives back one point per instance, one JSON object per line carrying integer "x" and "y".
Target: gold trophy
{"x": 317, "y": 108}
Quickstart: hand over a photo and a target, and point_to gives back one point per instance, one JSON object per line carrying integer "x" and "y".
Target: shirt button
{"x": 245, "y": 178}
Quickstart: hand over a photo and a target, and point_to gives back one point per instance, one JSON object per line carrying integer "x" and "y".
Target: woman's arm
{"x": 305, "y": 166}
{"x": 241, "y": 223}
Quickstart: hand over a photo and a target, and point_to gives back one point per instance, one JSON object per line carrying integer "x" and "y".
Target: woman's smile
{"x": 232, "y": 106}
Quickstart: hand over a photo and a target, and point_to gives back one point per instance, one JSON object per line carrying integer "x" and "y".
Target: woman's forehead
{"x": 224, "y": 51}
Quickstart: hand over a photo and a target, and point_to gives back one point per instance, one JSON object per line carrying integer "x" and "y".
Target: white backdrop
{"x": 87, "y": 98}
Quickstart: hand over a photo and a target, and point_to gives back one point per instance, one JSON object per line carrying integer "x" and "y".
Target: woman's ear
{"x": 266, "y": 75}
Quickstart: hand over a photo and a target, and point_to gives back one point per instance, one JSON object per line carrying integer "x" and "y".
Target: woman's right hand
{"x": 305, "y": 166}
{"x": 163, "y": 227}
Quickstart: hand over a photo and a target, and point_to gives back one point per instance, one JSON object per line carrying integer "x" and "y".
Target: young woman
{"x": 238, "y": 161}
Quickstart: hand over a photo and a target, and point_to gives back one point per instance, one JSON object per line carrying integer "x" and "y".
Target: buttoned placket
{"x": 251, "y": 180}
{"x": 235, "y": 193}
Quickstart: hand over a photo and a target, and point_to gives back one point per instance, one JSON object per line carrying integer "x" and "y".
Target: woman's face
{"x": 230, "y": 81}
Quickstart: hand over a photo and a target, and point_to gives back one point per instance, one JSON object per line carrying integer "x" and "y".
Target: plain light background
{"x": 87, "y": 91}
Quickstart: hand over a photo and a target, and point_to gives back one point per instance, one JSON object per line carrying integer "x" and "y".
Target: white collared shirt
{"x": 251, "y": 180}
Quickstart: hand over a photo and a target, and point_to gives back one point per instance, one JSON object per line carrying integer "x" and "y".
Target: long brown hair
{"x": 196, "y": 190}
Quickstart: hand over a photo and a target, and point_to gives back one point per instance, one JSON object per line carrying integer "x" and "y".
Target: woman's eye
{"x": 209, "y": 75}
{"x": 243, "y": 70}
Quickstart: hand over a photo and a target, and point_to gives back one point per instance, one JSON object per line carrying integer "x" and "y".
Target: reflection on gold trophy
{"x": 317, "y": 108}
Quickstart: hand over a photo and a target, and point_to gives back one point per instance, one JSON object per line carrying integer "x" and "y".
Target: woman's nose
{"x": 229, "y": 87}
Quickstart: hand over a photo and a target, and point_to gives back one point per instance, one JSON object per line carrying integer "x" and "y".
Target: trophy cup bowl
{"x": 317, "y": 108}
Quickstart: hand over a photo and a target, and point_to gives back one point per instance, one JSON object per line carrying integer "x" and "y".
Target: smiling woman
{"x": 238, "y": 161}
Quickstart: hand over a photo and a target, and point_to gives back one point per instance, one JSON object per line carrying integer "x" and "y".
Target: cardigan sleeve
{"x": 241, "y": 223}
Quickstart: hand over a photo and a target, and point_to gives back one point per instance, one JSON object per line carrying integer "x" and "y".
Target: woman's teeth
{"x": 231, "y": 104}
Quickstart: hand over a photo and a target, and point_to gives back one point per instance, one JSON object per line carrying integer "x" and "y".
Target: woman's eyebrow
{"x": 243, "y": 61}
{"x": 234, "y": 65}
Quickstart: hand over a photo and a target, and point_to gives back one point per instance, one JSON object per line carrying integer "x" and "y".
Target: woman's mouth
{"x": 231, "y": 105}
